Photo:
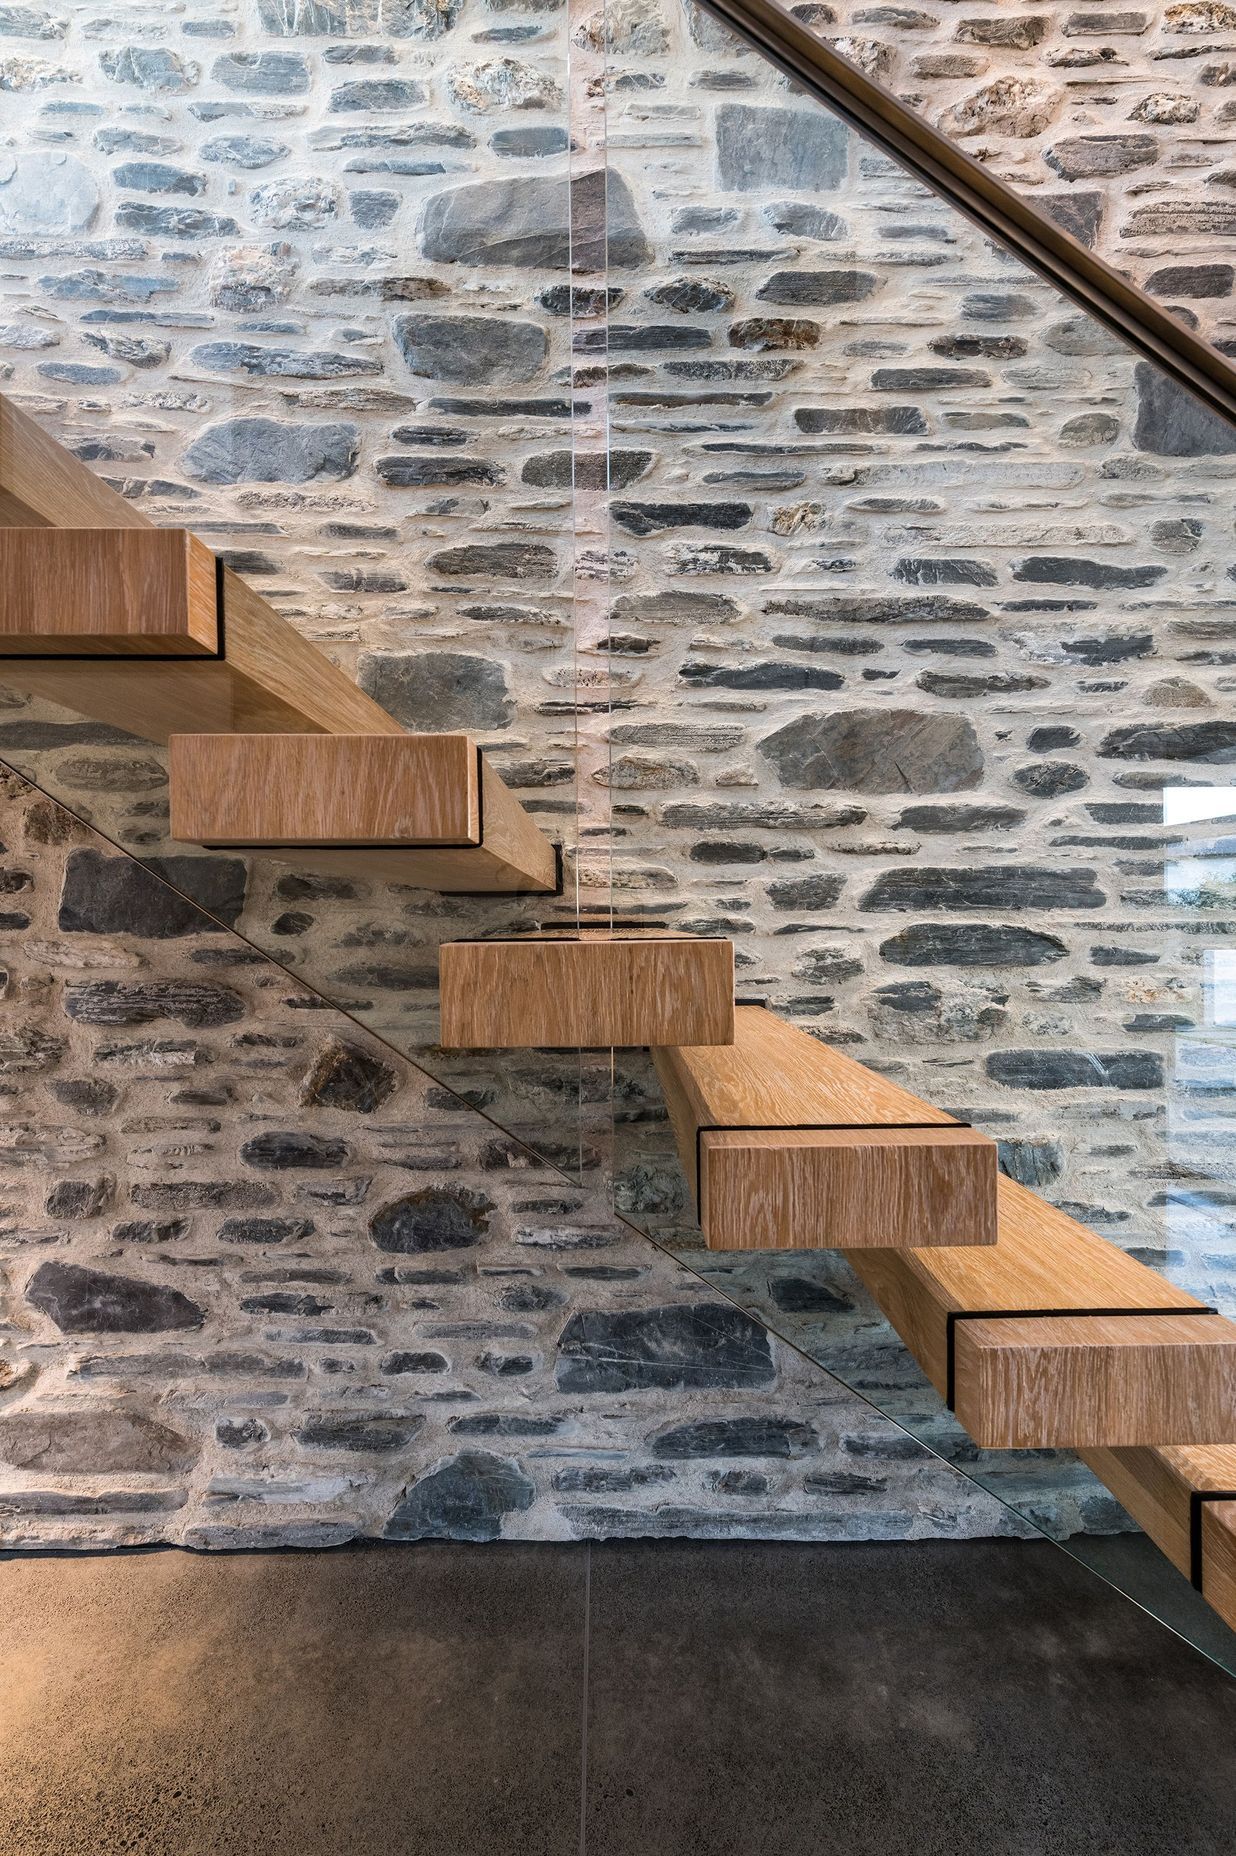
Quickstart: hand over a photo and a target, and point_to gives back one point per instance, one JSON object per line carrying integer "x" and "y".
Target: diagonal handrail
{"x": 1001, "y": 212}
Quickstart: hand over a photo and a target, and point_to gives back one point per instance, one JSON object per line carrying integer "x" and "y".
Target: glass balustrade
{"x": 921, "y": 649}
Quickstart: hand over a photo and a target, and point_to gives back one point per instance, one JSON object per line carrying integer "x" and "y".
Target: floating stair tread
{"x": 1043, "y": 1293}
{"x": 788, "y": 1144}
{"x": 420, "y": 809}
{"x": 544, "y": 992}
{"x": 124, "y": 592}
{"x": 1159, "y": 1488}
{"x": 1061, "y": 1381}
{"x": 217, "y": 656}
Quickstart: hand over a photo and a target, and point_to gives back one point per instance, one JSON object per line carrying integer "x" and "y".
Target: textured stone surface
{"x": 302, "y": 1294}
{"x": 951, "y": 422}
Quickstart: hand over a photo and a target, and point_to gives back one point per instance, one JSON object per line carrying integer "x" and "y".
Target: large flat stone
{"x": 876, "y": 751}
{"x": 537, "y": 222}
{"x": 760, "y": 147}
{"x": 472, "y": 351}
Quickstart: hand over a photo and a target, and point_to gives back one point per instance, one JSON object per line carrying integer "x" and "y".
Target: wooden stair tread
{"x": 788, "y": 1144}
{"x": 419, "y": 809}
{"x": 124, "y": 592}
{"x": 555, "y": 991}
{"x": 1169, "y": 1494}
{"x": 1036, "y": 1356}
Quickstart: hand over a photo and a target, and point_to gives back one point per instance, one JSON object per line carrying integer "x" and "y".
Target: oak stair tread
{"x": 1054, "y": 1338}
{"x": 789, "y": 1144}
{"x": 1184, "y": 1498}
{"x": 420, "y": 809}
{"x": 577, "y": 992}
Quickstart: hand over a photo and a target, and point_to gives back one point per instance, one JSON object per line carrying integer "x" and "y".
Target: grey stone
{"x": 1213, "y": 742}
{"x": 158, "y": 177}
{"x": 876, "y": 751}
{"x": 806, "y": 892}
{"x": 263, "y": 74}
{"x": 535, "y": 222}
{"x": 1171, "y": 423}
{"x": 376, "y": 94}
{"x": 46, "y": 192}
{"x": 93, "y": 1442}
{"x": 760, "y": 676}
{"x": 346, "y": 1076}
{"x": 432, "y": 1219}
{"x": 1076, "y": 1069}
{"x": 242, "y": 151}
{"x": 1064, "y": 570}
{"x": 1050, "y": 779}
{"x": 1192, "y": 280}
{"x": 691, "y": 296}
{"x": 822, "y": 288}
{"x": 281, "y": 363}
{"x": 472, "y": 351}
{"x": 258, "y": 450}
{"x": 116, "y": 895}
{"x": 374, "y": 1433}
{"x": 653, "y": 518}
{"x": 464, "y": 1498}
{"x": 149, "y": 67}
{"x": 405, "y": 473}
{"x": 373, "y": 208}
{"x": 532, "y": 143}
{"x": 265, "y": 1230}
{"x": 23, "y": 22}
{"x": 1002, "y": 887}
{"x": 437, "y": 690}
{"x": 708, "y": 1437}
{"x": 396, "y": 1364}
{"x": 279, "y": 1151}
{"x": 702, "y": 1345}
{"x": 815, "y": 419}
{"x": 141, "y": 1002}
{"x": 932, "y": 819}
{"x": 92, "y": 1301}
{"x": 1032, "y": 1163}
{"x": 174, "y": 221}
{"x": 586, "y": 470}
{"x": 759, "y": 147}
{"x": 1095, "y": 157}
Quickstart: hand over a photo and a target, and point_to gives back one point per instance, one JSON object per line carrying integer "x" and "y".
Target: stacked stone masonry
{"x": 920, "y": 592}
{"x": 262, "y": 1283}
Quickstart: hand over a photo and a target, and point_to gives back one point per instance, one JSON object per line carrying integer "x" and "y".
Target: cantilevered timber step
{"x": 1185, "y": 1499}
{"x": 1052, "y": 1338}
{"x": 42, "y": 484}
{"x": 141, "y": 628}
{"x": 419, "y": 809}
{"x": 789, "y": 1145}
{"x": 552, "y": 992}
{"x": 118, "y": 592}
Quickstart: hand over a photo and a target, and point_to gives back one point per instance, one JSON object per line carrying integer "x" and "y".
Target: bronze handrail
{"x": 1002, "y": 213}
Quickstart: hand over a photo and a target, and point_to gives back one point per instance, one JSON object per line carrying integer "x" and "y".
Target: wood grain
{"x": 126, "y": 592}
{"x": 1071, "y": 1382}
{"x": 297, "y": 790}
{"x": 42, "y": 484}
{"x": 793, "y": 1190}
{"x": 786, "y": 1187}
{"x": 1005, "y": 1368}
{"x": 1219, "y": 1559}
{"x": 270, "y": 680}
{"x": 413, "y": 809}
{"x": 1156, "y": 1487}
{"x": 555, "y": 992}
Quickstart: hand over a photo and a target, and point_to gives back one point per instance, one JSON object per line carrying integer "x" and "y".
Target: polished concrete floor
{"x": 638, "y": 1699}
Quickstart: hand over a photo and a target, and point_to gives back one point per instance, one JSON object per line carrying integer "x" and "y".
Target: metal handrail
{"x": 1002, "y": 213}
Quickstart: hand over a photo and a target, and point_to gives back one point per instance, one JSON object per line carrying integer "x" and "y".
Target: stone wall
{"x": 920, "y": 592}
{"x": 262, "y": 1283}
